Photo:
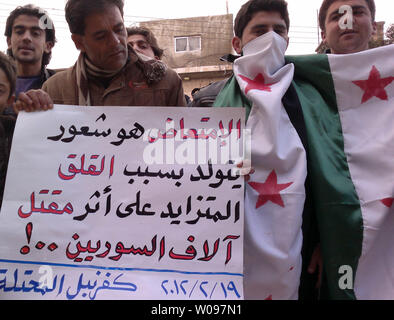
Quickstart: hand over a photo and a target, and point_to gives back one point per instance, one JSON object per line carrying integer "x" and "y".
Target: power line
{"x": 175, "y": 32}
{"x": 132, "y": 18}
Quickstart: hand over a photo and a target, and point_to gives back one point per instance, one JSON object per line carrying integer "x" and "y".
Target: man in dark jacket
{"x": 30, "y": 37}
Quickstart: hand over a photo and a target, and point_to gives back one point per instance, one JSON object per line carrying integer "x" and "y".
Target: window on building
{"x": 184, "y": 44}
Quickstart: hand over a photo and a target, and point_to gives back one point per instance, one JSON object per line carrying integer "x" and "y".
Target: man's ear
{"x": 78, "y": 41}
{"x": 9, "y": 42}
{"x": 48, "y": 46}
{"x": 323, "y": 36}
{"x": 237, "y": 45}
{"x": 374, "y": 28}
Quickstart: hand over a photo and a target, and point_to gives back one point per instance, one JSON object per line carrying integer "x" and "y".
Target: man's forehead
{"x": 136, "y": 37}
{"x": 334, "y": 7}
{"x": 4, "y": 82}
{"x": 27, "y": 21}
{"x": 267, "y": 17}
{"x": 103, "y": 20}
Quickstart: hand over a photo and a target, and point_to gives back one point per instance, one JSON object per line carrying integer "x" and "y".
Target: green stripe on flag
{"x": 336, "y": 201}
{"x": 232, "y": 96}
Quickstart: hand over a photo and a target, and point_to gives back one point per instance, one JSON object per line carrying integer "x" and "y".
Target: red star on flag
{"x": 270, "y": 190}
{"x": 388, "y": 202}
{"x": 257, "y": 83}
{"x": 374, "y": 86}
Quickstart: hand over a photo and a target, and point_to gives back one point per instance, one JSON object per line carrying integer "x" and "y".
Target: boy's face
{"x": 344, "y": 40}
{"x": 28, "y": 41}
{"x": 261, "y": 23}
{"x": 5, "y": 99}
{"x": 139, "y": 44}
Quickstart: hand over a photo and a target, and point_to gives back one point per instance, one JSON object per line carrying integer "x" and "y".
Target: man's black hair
{"x": 32, "y": 10}
{"x": 78, "y": 10}
{"x": 250, "y": 8}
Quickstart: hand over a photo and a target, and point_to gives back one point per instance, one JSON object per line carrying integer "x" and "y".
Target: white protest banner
{"x": 124, "y": 203}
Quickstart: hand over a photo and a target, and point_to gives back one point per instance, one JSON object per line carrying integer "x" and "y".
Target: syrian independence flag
{"x": 275, "y": 195}
{"x": 348, "y": 106}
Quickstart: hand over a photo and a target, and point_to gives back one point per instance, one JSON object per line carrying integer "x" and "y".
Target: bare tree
{"x": 390, "y": 34}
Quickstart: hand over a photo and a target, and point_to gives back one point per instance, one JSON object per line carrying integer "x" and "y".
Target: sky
{"x": 303, "y": 34}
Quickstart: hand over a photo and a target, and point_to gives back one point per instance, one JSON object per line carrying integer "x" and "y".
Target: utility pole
{"x": 227, "y": 6}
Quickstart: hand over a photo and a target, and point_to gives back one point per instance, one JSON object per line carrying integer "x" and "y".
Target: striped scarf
{"x": 84, "y": 69}
{"x": 152, "y": 69}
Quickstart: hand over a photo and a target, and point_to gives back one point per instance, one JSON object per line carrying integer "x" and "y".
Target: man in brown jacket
{"x": 108, "y": 72}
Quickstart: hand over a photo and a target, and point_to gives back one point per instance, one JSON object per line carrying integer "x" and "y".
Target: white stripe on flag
{"x": 365, "y": 97}
{"x": 275, "y": 195}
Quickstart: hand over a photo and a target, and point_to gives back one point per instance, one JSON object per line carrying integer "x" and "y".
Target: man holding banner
{"x": 107, "y": 72}
{"x": 161, "y": 228}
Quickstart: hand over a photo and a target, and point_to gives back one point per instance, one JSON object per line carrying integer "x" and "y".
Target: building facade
{"x": 193, "y": 47}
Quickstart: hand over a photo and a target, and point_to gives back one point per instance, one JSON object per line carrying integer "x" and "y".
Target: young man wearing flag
{"x": 275, "y": 194}
{"x": 347, "y": 102}
{"x": 348, "y": 107}
{"x": 356, "y": 258}
{"x": 345, "y": 30}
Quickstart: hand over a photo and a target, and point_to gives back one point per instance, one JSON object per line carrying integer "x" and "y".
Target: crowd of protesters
{"x": 119, "y": 66}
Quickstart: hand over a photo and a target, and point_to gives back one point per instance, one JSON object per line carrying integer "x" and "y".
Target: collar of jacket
{"x": 46, "y": 74}
{"x": 153, "y": 70}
